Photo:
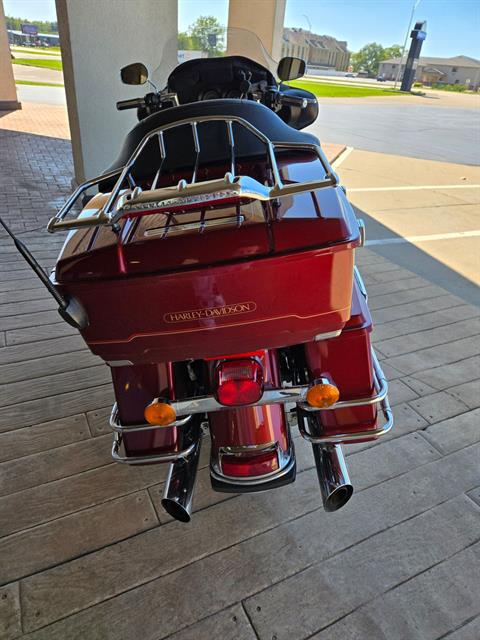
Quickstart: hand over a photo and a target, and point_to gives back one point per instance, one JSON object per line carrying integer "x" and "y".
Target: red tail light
{"x": 250, "y": 466}
{"x": 239, "y": 382}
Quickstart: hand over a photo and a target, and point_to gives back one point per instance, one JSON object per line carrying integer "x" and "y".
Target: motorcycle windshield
{"x": 211, "y": 43}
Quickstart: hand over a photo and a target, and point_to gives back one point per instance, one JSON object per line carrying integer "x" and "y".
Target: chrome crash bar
{"x": 160, "y": 457}
{"x": 127, "y": 197}
{"x": 207, "y": 404}
{"x": 380, "y": 397}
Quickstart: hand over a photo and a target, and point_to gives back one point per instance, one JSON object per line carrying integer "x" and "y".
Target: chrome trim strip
{"x": 208, "y": 404}
{"x": 118, "y": 427}
{"x": 360, "y": 282}
{"x": 248, "y": 448}
{"x": 327, "y": 336}
{"x": 191, "y": 226}
{"x": 160, "y": 457}
{"x": 363, "y": 231}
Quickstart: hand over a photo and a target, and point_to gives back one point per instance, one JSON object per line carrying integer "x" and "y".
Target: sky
{"x": 453, "y": 26}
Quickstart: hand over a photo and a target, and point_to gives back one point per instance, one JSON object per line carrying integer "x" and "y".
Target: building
{"x": 19, "y": 38}
{"x": 457, "y": 70}
{"x": 294, "y": 44}
{"x": 322, "y": 52}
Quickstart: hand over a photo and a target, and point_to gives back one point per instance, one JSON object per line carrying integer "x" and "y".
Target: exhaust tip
{"x": 173, "y": 508}
{"x": 338, "y": 498}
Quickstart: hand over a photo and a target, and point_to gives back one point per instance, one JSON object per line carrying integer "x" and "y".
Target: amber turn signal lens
{"x": 322, "y": 395}
{"x": 160, "y": 413}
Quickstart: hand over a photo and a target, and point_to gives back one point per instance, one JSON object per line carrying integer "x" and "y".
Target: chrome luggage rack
{"x": 127, "y": 197}
{"x": 297, "y": 395}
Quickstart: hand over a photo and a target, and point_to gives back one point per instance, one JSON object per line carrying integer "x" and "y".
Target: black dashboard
{"x": 214, "y": 78}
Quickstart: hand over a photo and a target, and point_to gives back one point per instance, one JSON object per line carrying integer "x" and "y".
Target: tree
{"x": 395, "y": 51}
{"x": 43, "y": 27}
{"x": 369, "y": 57}
{"x": 206, "y": 34}
{"x": 185, "y": 42}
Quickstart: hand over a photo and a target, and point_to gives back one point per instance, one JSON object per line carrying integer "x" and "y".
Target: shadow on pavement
{"x": 410, "y": 257}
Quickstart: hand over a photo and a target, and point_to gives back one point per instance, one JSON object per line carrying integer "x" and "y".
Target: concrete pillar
{"x": 97, "y": 38}
{"x": 263, "y": 17}
{"x": 8, "y": 91}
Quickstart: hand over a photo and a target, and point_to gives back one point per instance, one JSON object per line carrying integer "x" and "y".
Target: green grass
{"x": 37, "y": 52}
{"x": 56, "y": 65}
{"x": 31, "y": 83}
{"x": 328, "y": 90}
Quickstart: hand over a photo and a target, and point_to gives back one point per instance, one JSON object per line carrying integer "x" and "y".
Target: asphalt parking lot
{"x": 436, "y": 126}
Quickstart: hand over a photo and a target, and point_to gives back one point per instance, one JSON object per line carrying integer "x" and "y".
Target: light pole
{"x": 410, "y": 22}
{"x": 308, "y": 22}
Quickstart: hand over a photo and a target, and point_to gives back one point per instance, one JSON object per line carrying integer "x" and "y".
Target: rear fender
{"x": 252, "y": 426}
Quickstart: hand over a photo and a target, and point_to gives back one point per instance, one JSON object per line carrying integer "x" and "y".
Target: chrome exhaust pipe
{"x": 333, "y": 476}
{"x": 178, "y": 495}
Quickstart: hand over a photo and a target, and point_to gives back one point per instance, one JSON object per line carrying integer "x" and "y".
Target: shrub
{"x": 450, "y": 87}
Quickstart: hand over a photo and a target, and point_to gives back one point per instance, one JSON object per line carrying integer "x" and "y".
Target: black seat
{"x": 212, "y": 136}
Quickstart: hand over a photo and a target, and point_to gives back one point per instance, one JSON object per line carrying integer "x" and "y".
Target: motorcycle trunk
{"x": 170, "y": 296}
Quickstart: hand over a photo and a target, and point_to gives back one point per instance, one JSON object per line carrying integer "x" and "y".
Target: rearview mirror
{"x": 291, "y": 68}
{"x": 135, "y": 73}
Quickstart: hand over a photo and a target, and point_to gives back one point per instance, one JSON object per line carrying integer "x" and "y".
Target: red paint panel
{"x": 347, "y": 361}
{"x": 252, "y": 305}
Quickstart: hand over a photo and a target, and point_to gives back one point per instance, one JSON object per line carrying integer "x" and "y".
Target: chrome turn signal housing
{"x": 322, "y": 394}
{"x": 160, "y": 413}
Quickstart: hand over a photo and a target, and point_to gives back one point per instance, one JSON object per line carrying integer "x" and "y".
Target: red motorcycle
{"x": 214, "y": 274}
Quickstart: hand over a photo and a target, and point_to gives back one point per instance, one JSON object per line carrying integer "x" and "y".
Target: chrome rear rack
{"x": 127, "y": 197}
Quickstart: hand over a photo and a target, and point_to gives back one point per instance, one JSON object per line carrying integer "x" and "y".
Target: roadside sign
{"x": 30, "y": 29}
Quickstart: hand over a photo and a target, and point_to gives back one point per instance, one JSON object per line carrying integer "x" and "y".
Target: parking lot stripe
{"x": 424, "y": 238}
{"x": 343, "y": 156}
{"x": 438, "y": 187}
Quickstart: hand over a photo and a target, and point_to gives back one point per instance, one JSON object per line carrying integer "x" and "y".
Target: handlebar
{"x": 153, "y": 100}
{"x": 293, "y": 101}
{"x": 133, "y": 103}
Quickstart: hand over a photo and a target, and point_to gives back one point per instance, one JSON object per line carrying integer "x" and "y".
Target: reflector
{"x": 239, "y": 382}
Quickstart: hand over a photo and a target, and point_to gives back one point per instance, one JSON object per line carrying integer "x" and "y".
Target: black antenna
{"x": 70, "y": 309}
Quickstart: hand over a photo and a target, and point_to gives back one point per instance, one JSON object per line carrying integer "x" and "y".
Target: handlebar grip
{"x": 294, "y": 101}
{"x": 134, "y": 103}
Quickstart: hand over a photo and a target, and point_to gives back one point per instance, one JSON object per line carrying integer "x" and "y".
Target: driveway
{"x": 41, "y": 95}
{"x": 37, "y": 74}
